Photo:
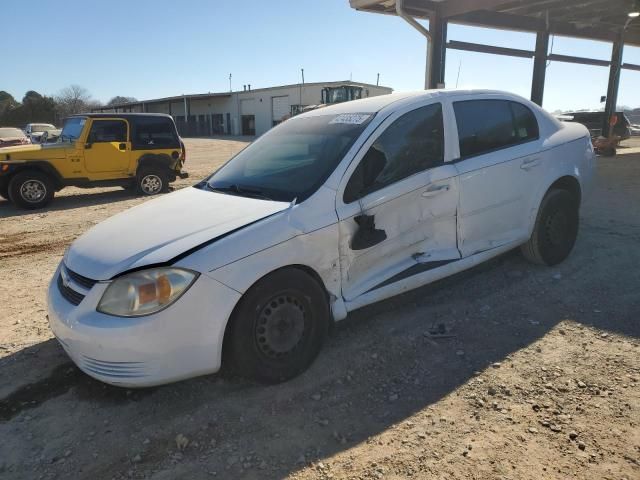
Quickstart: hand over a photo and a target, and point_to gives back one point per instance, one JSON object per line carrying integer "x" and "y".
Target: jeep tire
{"x": 31, "y": 189}
{"x": 151, "y": 181}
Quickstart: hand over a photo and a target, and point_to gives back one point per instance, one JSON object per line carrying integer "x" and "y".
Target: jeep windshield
{"x": 72, "y": 129}
{"x": 292, "y": 160}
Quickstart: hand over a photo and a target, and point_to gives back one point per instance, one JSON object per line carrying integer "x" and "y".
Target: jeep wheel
{"x": 555, "y": 231}
{"x": 151, "y": 181}
{"x": 31, "y": 189}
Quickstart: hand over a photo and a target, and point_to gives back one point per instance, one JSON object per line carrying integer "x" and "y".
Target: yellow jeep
{"x": 138, "y": 150}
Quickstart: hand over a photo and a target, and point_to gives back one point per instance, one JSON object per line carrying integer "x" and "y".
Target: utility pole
{"x": 378, "y": 80}
{"x": 230, "y": 89}
{"x": 301, "y": 85}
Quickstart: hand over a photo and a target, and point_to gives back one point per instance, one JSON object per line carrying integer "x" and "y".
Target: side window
{"x": 154, "y": 132}
{"x": 488, "y": 125}
{"x": 108, "y": 131}
{"x": 411, "y": 144}
{"x": 526, "y": 123}
{"x": 483, "y": 126}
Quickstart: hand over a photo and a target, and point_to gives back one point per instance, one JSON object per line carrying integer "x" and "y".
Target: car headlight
{"x": 145, "y": 292}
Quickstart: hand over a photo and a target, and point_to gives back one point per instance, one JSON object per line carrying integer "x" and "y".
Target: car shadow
{"x": 381, "y": 366}
{"x": 69, "y": 201}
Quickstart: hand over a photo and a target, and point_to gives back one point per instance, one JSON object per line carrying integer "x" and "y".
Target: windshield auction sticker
{"x": 351, "y": 118}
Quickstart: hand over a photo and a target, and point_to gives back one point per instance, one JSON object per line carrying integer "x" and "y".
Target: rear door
{"x": 407, "y": 215}
{"x": 107, "y": 151}
{"x": 499, "y": 161}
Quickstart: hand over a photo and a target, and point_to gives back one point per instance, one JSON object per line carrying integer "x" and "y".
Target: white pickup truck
{"x": 332, "y": 210}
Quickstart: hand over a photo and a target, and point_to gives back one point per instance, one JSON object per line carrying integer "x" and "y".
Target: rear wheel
{"x": 556, "y": 229}
{"x": 151, "y": 181}
{"x": 278, "y": 327}
{"x": 31, "y": 189}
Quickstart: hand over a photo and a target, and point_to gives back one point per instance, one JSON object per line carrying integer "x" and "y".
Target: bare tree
{"x": 73, "y": 99}
{"x": 119, "y": 100}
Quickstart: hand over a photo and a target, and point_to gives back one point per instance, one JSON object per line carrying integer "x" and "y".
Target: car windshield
{"x": 72, "y": 128}
{"x": 41, "y": 127}
{"x": 292, "y": 160}
{"x": 11, "y": 132}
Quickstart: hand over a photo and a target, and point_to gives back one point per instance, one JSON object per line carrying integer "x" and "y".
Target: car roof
{"x": 378, "y": 103}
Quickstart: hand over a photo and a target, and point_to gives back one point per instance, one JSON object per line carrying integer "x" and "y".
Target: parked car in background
{"x": 35, "y": 130}
{"x": 10, "y": 136}
{"x": 50, "y": 136}
{"x": 594, "y": 121}
{"x": 327, "y": 212}
{"x": 635, "y": 130}
{"x": 138, "y": 150}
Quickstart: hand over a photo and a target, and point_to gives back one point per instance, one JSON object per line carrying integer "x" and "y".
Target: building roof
{"x": 196, "y": 96}
{"x": 590, "y": 19}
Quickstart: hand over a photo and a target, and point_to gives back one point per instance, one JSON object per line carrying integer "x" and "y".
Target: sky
{"x": 149, "y": 49}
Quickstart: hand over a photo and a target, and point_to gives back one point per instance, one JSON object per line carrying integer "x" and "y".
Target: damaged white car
{"x": 329, "y": 211}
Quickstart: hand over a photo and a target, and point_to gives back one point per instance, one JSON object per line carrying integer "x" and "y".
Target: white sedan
{"x": 329, "y": 211}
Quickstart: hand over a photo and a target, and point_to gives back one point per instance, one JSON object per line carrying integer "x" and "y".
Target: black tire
{"x": 278, "y": 327}
{"x": 4, "y": 190}
{"x": 31, "y": 189}
{"x": 151, "y": 181}
{"x": 556, "y": 229}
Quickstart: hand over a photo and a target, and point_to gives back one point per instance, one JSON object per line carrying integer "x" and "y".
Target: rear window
{"x": 150, "y": 132}
{"x": 488, "y": 125}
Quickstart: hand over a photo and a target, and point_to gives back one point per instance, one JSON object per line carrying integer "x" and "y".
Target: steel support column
{"x": 614, "y": 82}
{"x": 438, "y": 29}
{"x": 539, "y": 67}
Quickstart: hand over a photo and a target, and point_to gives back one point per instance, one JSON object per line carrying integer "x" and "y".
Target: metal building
{"x": 249, "y": 111}
{"x": 614, "y": 21}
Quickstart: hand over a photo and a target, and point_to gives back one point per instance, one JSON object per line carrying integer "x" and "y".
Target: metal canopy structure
{"x": 603, "y": 20}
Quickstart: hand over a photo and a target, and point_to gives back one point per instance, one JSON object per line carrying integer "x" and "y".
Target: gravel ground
{"x": 536, "y": 377}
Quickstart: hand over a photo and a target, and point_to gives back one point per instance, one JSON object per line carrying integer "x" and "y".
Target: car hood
{"x": 32, "y": 151}
{"x": 161, "y": 229}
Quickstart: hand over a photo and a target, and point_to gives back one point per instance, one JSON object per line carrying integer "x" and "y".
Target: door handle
{"x": 433, "y": 191}
{"x": 122, "y": 146}
{"x": 529, "y": 163}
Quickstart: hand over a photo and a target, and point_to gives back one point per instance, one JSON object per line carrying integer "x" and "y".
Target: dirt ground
{"x": 537, "y": 375}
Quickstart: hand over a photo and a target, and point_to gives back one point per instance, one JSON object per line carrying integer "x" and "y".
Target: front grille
{"x": 85, "y": 282}
{"x": 69, "y": 294}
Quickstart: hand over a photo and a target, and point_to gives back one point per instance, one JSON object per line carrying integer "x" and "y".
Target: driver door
{"x": 107, "y": 151}
{"x": 397, "y": 205}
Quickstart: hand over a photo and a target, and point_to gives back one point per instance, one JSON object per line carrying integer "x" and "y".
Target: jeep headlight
{"x": 145, "y": 292}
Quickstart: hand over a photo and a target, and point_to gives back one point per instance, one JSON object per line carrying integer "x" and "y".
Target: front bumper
{"x": 182, "y": 341}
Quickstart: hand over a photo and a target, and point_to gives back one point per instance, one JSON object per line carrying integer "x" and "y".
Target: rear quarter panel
{"x": 567, "y": 152}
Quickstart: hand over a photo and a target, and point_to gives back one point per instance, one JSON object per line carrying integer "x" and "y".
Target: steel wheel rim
{"x": 33, "y": 191}
{"x": 281, "y": 326}
{"x": 151, "y": 184}
{"x": 557, "y": 228}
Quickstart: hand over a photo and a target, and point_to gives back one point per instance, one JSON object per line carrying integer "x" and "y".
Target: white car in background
{"x": 34, "y": 131}
{"x": 330, "y": 211}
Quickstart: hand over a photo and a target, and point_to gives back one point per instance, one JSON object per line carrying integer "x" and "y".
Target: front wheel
{"x": 556, "y": 229}
{"x": 278, "y": 327}
{"x": 31, "y": 189}
{"x": 151, "y": 181}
